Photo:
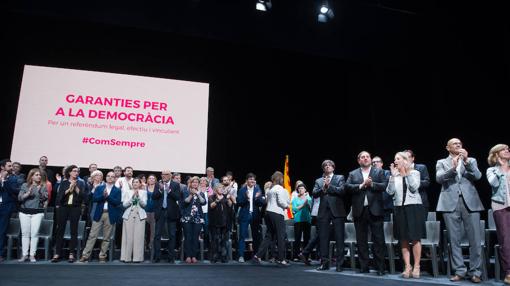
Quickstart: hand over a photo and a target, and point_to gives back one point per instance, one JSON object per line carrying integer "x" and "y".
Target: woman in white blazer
{"x": 133, "y": 229}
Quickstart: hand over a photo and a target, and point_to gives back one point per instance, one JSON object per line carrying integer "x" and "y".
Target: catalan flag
{"x": 287, "y": 186}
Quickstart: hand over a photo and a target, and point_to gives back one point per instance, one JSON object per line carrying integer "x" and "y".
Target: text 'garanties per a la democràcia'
{"x": 145, "y": 117}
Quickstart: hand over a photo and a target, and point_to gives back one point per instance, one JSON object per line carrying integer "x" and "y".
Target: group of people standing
{"x": 214, "y": 204}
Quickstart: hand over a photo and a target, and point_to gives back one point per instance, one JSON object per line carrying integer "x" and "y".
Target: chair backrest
{"x": 388, "y": 233}
{"x": 464, "y": 241}
{"x": 14, "y": 228}
{"x": 289, "y": 230}
{"x": 164, "y": 232}
{"x": 349, "y": 233}
{"x": 433, "y": 229}
{"x": 247, "y": 238}
{"x": 81, "y": 230}
{"x": 48, "y": 215}
{"x": 313, "y": 232}
{"x": 100, "y": 234}
{"x": 431, "y": 216}
{"x": 490, "y": 220}
{"x": 46, "y": 228}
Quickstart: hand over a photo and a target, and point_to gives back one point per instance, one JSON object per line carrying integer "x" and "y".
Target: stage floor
{"x": 202, "y": 274}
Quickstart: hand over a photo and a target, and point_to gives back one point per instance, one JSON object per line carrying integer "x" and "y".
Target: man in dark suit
{"x": 9, "y": 190}
{"x": 424, "y": 179}
{"x": 366, "y": 185}
{"x": 377, "y": 162}
{"x": 331, "y": 190}
{"x": 166, "y": 211}
{"x": 249, "y": 200}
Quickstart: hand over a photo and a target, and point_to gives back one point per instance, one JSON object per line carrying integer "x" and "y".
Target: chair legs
{"x": 391, "y": 257}
{"x": 9, "y": 248}
{"x": 497, "y": 266}
{"x": 435, "y": 270}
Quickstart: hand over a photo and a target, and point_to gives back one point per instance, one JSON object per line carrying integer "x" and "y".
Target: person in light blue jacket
{"x": 498, "y": 176}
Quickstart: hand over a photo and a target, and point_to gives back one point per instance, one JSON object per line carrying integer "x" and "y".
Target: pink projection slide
{"x": 82, "y": 117}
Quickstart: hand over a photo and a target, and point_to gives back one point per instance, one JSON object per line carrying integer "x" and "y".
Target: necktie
{"x": 165, "y": 192}
{"x": 460, "y": 169}
{"x": 404, "y": 190}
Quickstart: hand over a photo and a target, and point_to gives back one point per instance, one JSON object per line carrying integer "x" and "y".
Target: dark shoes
{"x": 364, "y": 270}
{"x": 55, "y": 259}
{"x": 339, "y": 268}
{"x": 324, "y": 266}
{"x": 381, "y": 273}
{"x": 255, "y": 260}
{"x": 304, "y": 259}
{"x": 456, "y": 278}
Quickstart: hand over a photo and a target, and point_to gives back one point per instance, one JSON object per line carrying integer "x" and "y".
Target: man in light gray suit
{"x": 460, "y": 203}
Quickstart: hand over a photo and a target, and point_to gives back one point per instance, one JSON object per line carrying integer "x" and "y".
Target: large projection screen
{"x": 83, "y": 117}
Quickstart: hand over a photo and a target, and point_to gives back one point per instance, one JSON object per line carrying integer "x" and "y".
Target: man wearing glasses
{"x": 378, "y": 163}
{"x": 166, "y": 211}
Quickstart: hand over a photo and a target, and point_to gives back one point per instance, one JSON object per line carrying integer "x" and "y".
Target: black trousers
{"x": 172, "y": 228}
{"x": 324, "y": 221}
{"x": 376, "y": 224}
{"x": 64, "y": 214}
{"x": 275, "y": 232}
{"x": 219, "y": 237}
{"x": 314, "y": 241}
{"x": 301, "y": 230}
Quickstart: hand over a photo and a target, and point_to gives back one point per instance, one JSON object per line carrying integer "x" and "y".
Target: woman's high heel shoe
{"x": 407, "y": 272}
{"x": 416, "y": 272}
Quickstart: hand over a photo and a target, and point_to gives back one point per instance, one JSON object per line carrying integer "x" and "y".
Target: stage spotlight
{"x": 325, "y": 12}
{"x": 263, "y": 5}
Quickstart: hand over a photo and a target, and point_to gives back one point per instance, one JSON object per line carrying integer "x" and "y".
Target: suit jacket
{"x": 244, "y": 204}
{"x": 9, "y": 192}
{"x": 387, "y": 198}
{"x": 446, "y": 175}
{"x": 332, "y": 197}
{"x": 78, "y": 199}
{"x": 373, "y": 193}
{"x": 172, "y": 207}
{"x": 114, "y": 200}
{"x": 424, "y": 184}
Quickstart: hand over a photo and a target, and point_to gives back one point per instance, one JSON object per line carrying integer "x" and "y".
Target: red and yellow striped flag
{"x": 287, "y": 186}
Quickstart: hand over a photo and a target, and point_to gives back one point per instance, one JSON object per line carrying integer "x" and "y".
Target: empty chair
{"x": 490, "y": 230}
{"x": 350, "y": 241}
{"x": 81, "y": 234}
{"x": 433, "y": 229}
{"x": 45, "y": 234}
{"x": 390, "y": 241}
{"x": 291, "y": 239}
{"x": 100, "y": 236}
{"x": 48, "y": 215}
{"x": 431, "y": 216}
{"x": 13, "y": 233}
